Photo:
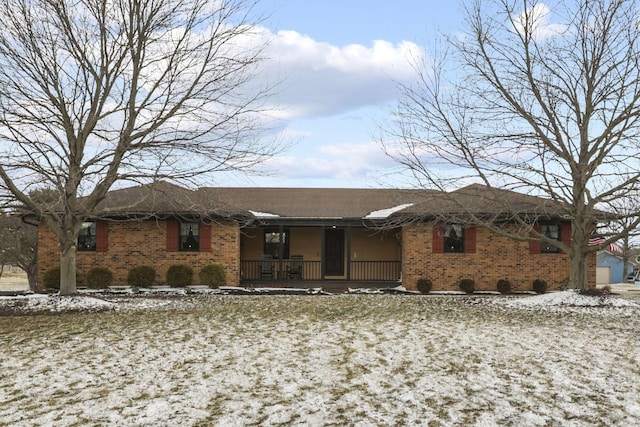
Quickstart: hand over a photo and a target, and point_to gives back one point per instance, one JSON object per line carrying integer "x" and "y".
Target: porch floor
{"x": 333, "y": 286}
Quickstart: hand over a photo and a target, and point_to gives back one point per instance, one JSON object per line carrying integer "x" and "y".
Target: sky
{"x": 339, "y": 63}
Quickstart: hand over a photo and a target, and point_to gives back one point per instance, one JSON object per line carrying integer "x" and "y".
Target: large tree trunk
{"x": 578, "y": 278}
{"x": 68, "y": 269}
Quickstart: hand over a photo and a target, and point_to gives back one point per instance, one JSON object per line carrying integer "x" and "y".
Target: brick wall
{"x": 496, "y": 257}
{"x": 135, "y": 243}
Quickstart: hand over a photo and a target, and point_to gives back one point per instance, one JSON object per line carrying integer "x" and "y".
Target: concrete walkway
{"x": 625, "y": 290}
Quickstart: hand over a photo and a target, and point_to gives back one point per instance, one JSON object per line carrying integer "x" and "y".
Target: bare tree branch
{"x": 544, "y": 99}
{"x": 95, "y": 92}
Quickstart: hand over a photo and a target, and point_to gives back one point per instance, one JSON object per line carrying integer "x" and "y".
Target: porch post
{"x": 348, "y": 252}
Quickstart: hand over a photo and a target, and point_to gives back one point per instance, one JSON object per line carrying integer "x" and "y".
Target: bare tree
{"x": 19, "y": 242}
{"x": 96, "y": 92}
{"x": 542, "y": 98}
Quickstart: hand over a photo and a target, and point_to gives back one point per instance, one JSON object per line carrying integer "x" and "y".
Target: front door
{"x": 334, "y": 252}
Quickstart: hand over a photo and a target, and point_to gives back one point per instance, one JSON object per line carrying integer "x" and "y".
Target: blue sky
{"x": 339, "y": 62}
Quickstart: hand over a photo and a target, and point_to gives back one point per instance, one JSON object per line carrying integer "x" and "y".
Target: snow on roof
{"x": 263, "y": 214}
{"x": 385, "y": 213}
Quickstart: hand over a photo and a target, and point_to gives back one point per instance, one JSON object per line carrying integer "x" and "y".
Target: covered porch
{"x": 294, "y": 254}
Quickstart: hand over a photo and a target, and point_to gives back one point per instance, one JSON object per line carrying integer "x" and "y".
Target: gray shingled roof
{"x": 481, "y": 200}
{"x": 314, "y": 203}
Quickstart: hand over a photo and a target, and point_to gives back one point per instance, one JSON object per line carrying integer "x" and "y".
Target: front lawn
{"x": 322, "y": 360}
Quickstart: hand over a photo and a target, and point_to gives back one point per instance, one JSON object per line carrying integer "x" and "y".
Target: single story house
{"x": 311, "y": 237}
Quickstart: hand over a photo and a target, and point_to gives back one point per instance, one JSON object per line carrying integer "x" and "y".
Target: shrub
{"x": 51, "y": 278}
{"x": 504, "y": 286}
{"x": 467, "y": 285}
{"x": 213, "y": 276}
{"x": 99, "y": 278}
{"x": 141, "y": 277}
{"x": 179, "y": 276}
{"x": 539, "y": 286}
{"x": 596, "y": 292}
{"x": 424, "y": 286}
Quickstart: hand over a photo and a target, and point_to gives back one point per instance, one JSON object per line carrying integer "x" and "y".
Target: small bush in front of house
{"x": 467, "y": 286}
{"x": 51, "y": 278}
{"x": 213, "y": 276}
{"x": 179, "y": 276}
{"x": 596, "y": 292}
{"x": 424, "y": 286}
{"x": 99, "y": 278}
{"x": 539, "y": 286}
{"x": 504, "y": 286}
{"x": 142, "y": 276}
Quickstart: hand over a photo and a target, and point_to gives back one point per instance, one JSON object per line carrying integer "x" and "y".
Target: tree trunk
{"x": 578, "y": 278}
{"x": 68, "y": 269}
{"x": 32, "y": 276}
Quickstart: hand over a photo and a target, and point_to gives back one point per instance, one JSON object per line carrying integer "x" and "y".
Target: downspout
{"x": 280, "y": 251}
{"x": 348, "y": 252}
{"x": 322, "y": 253}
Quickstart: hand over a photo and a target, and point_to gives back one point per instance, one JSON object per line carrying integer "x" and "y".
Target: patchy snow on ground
{"x": 316, "y": 360}
{"x": 567, "y": 299}
{"x": 56, "y": 303}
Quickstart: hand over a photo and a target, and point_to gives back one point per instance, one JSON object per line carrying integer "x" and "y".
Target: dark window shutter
{"x": 565, "y": 233}
{"x": 438, "y": 239}
{"x": 102, "y": 236}
{"x": 205, "y": 237}
{"x": 534, "y": 247}
{"x": 470, "y": 240}
{"x": 173, "y": 236}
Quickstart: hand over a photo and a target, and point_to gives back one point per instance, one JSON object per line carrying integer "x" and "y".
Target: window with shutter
{"x": 189, "y": 236}
{"x": 87, "y": 237}
{"x": 551, "y": 231}
{"x": 454, "y": 238}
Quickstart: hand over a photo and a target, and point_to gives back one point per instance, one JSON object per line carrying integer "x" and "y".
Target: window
{"x": 189, "y": 236}
{"x": 453, "y": 238}
{"x": 273, "y": 240}
{"x": 87, "y": 237}
{"x": 551, "y": 231}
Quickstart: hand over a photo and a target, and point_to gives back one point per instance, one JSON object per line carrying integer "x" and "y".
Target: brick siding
{"x": 136, "y": 243}
{"x": 496, "y": 257}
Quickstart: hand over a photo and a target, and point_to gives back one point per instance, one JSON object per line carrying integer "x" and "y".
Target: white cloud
{"x": 347, "y": 162}
{"x": 320, "y": 79}
{"x": 536, "y": 19}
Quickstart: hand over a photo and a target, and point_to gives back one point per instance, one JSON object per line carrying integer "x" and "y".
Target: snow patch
{"x": 263, "y": 214}
{"x": 343, "y": 360}
{"x": 567, "y": 299}
{"x": 385, "y": 213}
{"x": 56, "y": 303}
